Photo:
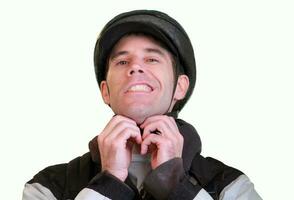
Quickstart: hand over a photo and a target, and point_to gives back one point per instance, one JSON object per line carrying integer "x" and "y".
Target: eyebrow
{"x": 148, "y": 50}
{"x": 117, "y": 54}
{"x": 154, "y": 50}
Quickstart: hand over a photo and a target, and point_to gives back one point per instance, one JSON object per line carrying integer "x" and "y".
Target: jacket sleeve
{"x": 104, "y": 186}
{"x": 47, "y": 184}
{"x": 240, "y": 188}
{"x": 36, "y": 191}
{"x": 51, "y": 184}
{"x": 169, "y": 181}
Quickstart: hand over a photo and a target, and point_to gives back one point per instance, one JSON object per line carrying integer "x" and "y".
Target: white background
{"x": 242, "y": 106}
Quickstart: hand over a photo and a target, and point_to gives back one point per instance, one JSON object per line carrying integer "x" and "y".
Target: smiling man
{"x": 145, "y": 67}
{"x": 140, "y": 77}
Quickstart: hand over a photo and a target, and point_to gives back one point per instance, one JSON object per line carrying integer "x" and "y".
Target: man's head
{"x": 140, "y": 79}
{"x": 144, "y": 62}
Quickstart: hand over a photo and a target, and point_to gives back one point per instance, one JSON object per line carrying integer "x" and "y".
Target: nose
{"x": 135, "y": 69}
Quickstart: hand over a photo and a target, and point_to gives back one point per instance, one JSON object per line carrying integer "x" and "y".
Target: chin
{"x": 137, "y": 113}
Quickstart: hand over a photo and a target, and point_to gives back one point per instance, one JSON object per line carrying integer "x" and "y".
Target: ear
{"x": 104, "y": 92}
{"x": 182, "y": 87}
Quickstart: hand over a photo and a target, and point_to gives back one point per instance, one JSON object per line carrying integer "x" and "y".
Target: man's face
{"x": 140, "y": 79}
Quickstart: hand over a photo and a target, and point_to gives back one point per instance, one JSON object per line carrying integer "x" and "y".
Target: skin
{"x": 140, "y": 60}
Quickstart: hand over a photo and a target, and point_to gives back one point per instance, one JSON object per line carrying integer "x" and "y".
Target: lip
{"x": 139, "y": 83}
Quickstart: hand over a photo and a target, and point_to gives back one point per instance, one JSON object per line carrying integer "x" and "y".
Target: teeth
{"x": 140, "y": 88}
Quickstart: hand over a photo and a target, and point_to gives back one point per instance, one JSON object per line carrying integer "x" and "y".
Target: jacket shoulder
{"x": 59, "y": 178}
{"x": 53, "y": 178}
{"x": 212, "y": 174}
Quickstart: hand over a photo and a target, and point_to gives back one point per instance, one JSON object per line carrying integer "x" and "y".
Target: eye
{"x": 152, "y": 60}
{"x": 122, "y": 62}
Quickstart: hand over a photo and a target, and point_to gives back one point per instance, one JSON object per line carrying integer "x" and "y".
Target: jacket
{"x": 190, "y": 177}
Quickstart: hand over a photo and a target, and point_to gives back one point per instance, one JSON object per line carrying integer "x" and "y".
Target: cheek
{"x": 169, "y": 88}
{"x": 168, "y": 81}
{"x": 115, "y": 75}
{"x": 115, "y": 83}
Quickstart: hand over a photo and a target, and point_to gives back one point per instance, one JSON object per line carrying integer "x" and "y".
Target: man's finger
{"x": 165, "y": 118}
{"x": 151, "y": 139}
{"x": 127, "y": 134}
{"x": 158, "y": 128}
{"x": 113, "y": 134}
{"x": 115, "y": 120}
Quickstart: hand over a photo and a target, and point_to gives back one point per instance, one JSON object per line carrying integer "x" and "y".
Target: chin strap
{"x": 172, "y": 98}
{"x": 173, "y": 114}
{"x": 108, "y": 93}
{"x": 177, "y": 71}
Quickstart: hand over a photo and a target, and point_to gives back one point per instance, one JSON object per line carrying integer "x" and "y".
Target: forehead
{"x": 133, "y": 42}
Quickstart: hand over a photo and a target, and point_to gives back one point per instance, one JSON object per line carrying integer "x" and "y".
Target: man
{"x": 145, "y": 67}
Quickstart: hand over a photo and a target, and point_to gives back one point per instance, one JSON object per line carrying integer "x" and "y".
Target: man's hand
{"x": 166, "y": 139}
{"x": 115, "y": 145}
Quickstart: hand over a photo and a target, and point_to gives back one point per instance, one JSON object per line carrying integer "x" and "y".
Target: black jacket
{"x": 180, "y": 178}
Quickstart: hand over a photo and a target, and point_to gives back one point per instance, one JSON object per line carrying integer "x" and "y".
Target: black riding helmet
{"x": 158, "y": 25}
